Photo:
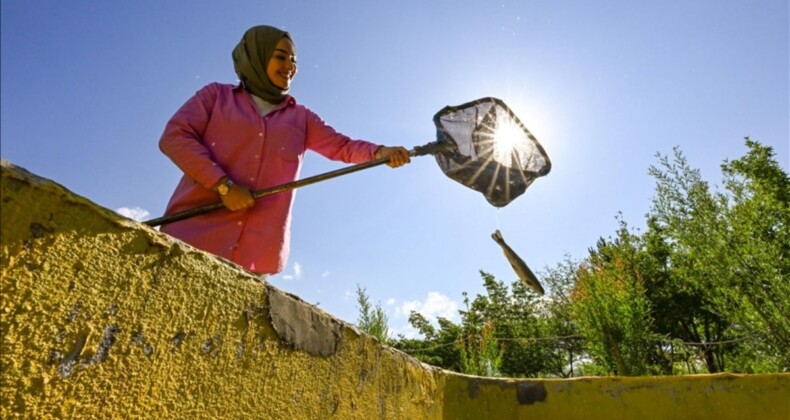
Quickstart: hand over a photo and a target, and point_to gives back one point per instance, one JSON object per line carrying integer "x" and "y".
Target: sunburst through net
{"x": 493, "y": 152}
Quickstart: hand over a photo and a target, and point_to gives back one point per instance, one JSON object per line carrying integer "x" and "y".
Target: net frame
{"x": 468, "y": 132}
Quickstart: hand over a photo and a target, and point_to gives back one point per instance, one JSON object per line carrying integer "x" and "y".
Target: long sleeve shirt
{"x": 219, "y": 132}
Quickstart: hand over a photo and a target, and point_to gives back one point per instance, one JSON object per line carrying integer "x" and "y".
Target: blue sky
{"x": 87, "y": 87}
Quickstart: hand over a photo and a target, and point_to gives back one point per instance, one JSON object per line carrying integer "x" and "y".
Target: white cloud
{"x": 135, "y": 213}
{"x": 406, "y": 330}
{"x": 325, "y": 274}
{"x": 347, "y": 295}
{"x": 435, "y": 305}
{"x": 297, "y": 274}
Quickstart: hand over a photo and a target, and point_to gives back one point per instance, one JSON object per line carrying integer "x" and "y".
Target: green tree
{"x": 756, "y": 243}
{"x": 371, "y": 319}
{"x": 611, "y": 308}
{"x": 685, "y": 224}
{"x": 558, "y": 326}
{"x": 481, "y": 355}
{"x": 438, "y": 347}
{"x": 721, "y": 285}
{"x": 514, "y": 314}
{"x": 496, "y": 334}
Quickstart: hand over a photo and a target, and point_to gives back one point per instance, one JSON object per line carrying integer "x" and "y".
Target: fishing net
{"x": 489, "y": 150}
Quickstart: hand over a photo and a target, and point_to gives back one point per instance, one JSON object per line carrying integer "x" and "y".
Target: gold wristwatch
{"x": 224, "y": 188}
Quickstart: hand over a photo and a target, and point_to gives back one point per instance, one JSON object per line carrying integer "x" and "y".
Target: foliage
{"x": 726, "y": 255}
{"x": 372, "y": 320}
{"x": 481, "y": 355}
{"x": 611, "y": 308}
{"x": 558, "y": 326}
{"x": 704, "y": 289}
{"x": 512, "y": 314}
{"x": 757, "y": 245}
{"x": 438, "y": 348}
{"x": 683, "y": 224}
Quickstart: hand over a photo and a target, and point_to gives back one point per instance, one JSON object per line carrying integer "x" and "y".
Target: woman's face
{"x": 282, "y": 66}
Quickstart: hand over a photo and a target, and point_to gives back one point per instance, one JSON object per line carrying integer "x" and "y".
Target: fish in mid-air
{"x": 519, "y": 266}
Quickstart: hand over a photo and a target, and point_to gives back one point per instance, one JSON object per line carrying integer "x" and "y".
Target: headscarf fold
{"x": 251, "y": 57}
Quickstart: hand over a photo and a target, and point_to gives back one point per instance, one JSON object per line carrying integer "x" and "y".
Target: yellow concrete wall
{"x": 723, "y": 396}
{"x": 102, "y": 317}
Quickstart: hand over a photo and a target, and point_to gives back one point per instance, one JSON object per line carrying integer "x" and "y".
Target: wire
{"x": 574, "y": 336}
{"x": 461, "y": 340}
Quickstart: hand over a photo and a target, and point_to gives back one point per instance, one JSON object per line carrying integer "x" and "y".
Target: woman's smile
{"x": 282, "y": 66}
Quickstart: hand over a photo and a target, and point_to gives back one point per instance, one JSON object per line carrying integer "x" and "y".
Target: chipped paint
{"x": 103, "y": 317}
{"x": 530, "y": 392}
{"x": 301, "y": 326}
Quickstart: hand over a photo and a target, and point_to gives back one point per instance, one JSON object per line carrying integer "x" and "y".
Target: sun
{"x": 507, "y": 137}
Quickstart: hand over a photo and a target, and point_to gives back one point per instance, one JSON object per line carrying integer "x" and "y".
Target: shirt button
{"x": 260, "y": 134}
{"x": 252, "y": 179}
{"x": 257, "y": 156}
{"x": 240, "y": 223}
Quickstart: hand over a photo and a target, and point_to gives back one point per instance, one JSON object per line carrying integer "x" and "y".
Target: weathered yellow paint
{"x": 723, "y": 396}
{"x": 102, "y": 317}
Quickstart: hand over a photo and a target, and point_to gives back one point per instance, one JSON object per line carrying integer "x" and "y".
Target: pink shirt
{"x": 219, "y": 132}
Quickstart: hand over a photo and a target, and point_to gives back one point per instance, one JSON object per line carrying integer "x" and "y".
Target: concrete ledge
{"x": 103, "y": 317}
{"x": 722, "y": 396}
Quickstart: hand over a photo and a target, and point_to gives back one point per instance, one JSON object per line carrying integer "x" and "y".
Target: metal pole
{"x": 429, "y": 148}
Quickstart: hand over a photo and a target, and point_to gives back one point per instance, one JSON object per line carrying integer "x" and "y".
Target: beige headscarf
{"x": 251, "y": 57}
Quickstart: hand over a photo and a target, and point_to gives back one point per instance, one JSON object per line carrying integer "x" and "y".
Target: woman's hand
{"x": 238, "y": 197}
{"x": 398, "y": 156}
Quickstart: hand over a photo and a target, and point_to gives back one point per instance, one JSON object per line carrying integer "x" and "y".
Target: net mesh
{"x": 489, "y": 149}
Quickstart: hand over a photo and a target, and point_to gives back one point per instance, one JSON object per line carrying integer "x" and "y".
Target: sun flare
{"x": 507, "y": 137}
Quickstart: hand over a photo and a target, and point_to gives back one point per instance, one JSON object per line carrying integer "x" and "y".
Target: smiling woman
{"x": 230, "y": 140}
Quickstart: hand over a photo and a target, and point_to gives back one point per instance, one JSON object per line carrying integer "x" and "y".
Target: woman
{"x": 231, "y": 140}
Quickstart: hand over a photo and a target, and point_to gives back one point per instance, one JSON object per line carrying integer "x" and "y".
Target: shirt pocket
{"x": 289, "y": 143}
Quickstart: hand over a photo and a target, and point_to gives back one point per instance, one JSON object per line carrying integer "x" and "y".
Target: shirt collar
{"x": 289, "y": 101}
